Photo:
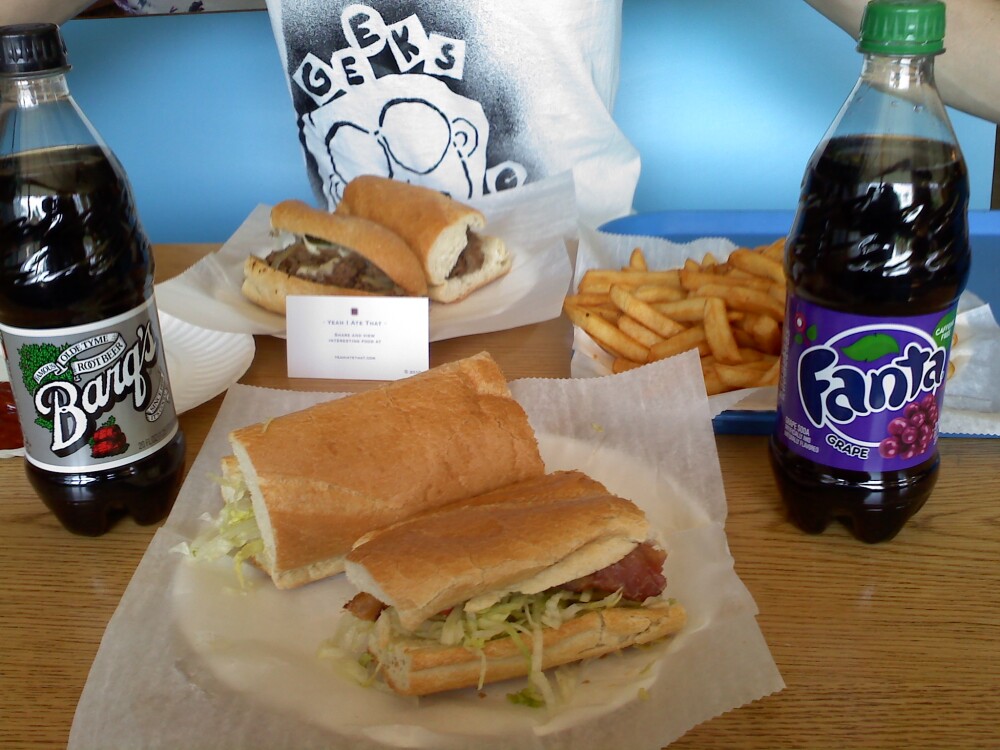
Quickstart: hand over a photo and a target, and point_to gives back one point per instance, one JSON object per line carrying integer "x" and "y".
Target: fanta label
{"x": 862, "y": 393}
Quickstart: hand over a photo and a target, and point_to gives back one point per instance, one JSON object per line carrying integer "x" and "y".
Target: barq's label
{"x": 94, "y": 396}
{"x": 862, "y": 393}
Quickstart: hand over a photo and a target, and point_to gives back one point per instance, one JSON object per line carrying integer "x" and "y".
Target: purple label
{"x": 862, "y": 393}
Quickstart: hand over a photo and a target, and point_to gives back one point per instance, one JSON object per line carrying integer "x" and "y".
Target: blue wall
{"x": 725, "y": 100}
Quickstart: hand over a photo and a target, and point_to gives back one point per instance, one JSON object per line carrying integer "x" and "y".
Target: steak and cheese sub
{"x": 300, "y": 489}
{"x": 443, "y": 233}
{"x": 551, "y": 570}
{"x": 331, "y": 255}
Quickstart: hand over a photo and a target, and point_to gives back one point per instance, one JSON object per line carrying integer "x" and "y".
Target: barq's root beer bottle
{"x": 78, "y": 319}
{"x": 876, "y": 260}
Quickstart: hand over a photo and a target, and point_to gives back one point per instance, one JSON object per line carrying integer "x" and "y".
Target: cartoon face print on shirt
{"x": 408, "y": 127}
{"x": 408, "y": 124}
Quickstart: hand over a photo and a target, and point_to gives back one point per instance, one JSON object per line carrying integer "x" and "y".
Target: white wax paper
{"x": 188, "y": 660}
{"x": 972, "y": 394}
{"x": 534, "y": 221}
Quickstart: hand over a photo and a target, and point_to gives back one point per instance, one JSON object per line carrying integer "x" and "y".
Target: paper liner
{"x": 535, "y": 222}
{"x": 972, "y": 395}
{"x": 190, "y": 660}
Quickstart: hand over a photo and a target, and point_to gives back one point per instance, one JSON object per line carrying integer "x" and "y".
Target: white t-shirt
{"x": 466, "y": 96}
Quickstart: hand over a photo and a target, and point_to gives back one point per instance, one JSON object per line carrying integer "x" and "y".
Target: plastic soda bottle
{"x": 78, "y": 319}
{"x": 876, "y": 259}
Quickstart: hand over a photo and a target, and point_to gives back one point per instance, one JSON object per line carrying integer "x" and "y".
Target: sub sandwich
{"x": 548, "y": 571}
{"x": 331, "y": 255}
{"x": 445, "y": 235}
{"x": 300, "y": 489}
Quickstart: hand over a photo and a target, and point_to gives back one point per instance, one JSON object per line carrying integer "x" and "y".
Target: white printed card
{"x": 357, "y": 338}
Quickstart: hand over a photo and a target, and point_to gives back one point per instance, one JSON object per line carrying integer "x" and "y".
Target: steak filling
{"x": 336, "y": 265}
{"x": 472, "y": 257}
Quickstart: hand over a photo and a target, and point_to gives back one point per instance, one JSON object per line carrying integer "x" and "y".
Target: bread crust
{"x": 233, "y": 477}
{"x": 327, "y": 475}
{"x": 496, "y": 265}
{"x": 437, "y": 228}
{"x": 415, "y": 667}
{"x": 493, "y": 542}
{"x": 417, "y": 214}
{"x": 557, "y": 485}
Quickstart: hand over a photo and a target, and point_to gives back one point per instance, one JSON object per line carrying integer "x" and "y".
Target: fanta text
{"x": 833, "y": 392}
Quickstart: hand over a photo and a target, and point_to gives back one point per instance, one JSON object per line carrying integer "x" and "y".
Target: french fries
{"x": 643, "y": 312}
{"x": 603, "y": 280}
{"x": 608, "y": 335}
{"x": 731, "y": 310}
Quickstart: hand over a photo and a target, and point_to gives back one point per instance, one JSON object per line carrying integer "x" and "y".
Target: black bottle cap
{"x": 31, "y": 48}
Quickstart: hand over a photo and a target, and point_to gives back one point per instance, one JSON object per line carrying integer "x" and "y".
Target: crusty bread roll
{"x": 323, "y": 477}
{"x": 558, "y": 485}
{"x": 443, "y": 233}
{"x": 558, "y": 531}
{"x": 497, "y": 262}
{"x": 527, "y": 538}
{"x": 268, "y": 285}
{"x": 413, "y": 667}
{"x": 320, "y": 568}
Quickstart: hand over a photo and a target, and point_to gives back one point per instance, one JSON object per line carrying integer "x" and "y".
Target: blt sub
{"x": 548, "y": 571}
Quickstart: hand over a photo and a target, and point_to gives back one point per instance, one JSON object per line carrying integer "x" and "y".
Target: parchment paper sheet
{"x": 972, "y": 395}
{"x": 535, "y": 222}
{"x": 190, "y": 661}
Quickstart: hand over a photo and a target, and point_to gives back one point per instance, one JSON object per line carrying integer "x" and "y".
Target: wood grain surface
{"x": 887, "y": 646}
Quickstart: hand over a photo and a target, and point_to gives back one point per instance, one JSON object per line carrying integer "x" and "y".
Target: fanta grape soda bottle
{"x": 876, "y": 259}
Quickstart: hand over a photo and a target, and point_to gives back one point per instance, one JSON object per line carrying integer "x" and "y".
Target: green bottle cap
{"x": 902, "y": 27}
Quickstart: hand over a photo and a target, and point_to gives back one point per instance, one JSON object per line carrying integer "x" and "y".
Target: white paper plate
{"x": 240, "y": 667}
{"x": 242, "y": 637}
{"x": 535, "y": 222}
{"x": 201, "y": 363}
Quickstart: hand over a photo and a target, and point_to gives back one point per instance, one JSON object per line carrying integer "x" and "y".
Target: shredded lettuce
{"x": 514, "y": 615}
{"x": 527, "y": 697}
{"x": 233, "y": 532}
{"x": 521, "y": 617}
{"x": 347, "y": 651}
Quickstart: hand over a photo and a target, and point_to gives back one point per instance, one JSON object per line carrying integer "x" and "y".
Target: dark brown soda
{"x": 72, "y": 252}
{"x": 881, "y": 230}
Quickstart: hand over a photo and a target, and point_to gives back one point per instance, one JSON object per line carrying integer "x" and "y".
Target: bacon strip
{"x": 639, "y": 575}
{"x": 365, "y": 607}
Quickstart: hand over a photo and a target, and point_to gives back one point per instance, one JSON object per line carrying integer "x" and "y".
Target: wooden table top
{"x": 893, "y": 645}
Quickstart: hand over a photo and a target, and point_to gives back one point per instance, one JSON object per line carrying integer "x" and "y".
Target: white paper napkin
{"x": 190, "y": 660}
